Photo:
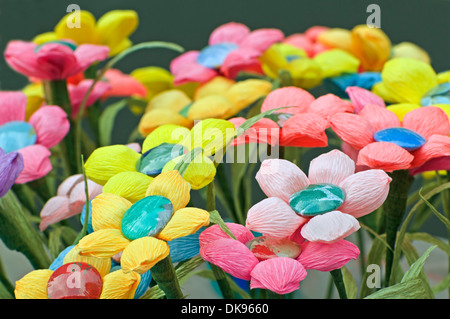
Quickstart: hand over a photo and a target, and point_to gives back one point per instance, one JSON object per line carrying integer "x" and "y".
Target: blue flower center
{"x": 403, "y": 137}
{"x": 317, "y": 199}
{"x": 16, "y": 135}
{"x": 213, "y": 56}
{"x": 153, "y": 161}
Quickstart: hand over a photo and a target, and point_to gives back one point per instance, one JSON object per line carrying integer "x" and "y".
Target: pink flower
{"x": 123, "y": 85}
{"x": 324, "y": 206}
{"x": 78, "y": 91}
{"x": 278, "y": 265}
{"x": 33, "y": 139}
{"x": 383, "y": 142}
{"x": 53, "y": 60}
{"x": 69, "y": 200}
{"x": 308, "y": 40}
{"x": 232, "y": 48}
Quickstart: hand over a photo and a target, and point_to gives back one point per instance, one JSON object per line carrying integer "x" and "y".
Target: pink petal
{"x": 231, "y": 32}
{"x": 304, "y": 130}
{"x": 435, "y": 164}
{"x": 332, "y": 168}
{"x": 77, "y": 197}
{"x": 436, "y": 146}
{"x": 326, "y": 257}
{"x": 297, "y": 236}
{"x": 21, "y": 57}
{"x": 353, "y": 154}
{"x": 364, "y": 192}
{"x": 66, "y": 187}
{"x": 280, "y": 178}
{"x": 379, "y": 117}
{"x": 88, "y": 54}
{"x": 386, "y": 156}
{"x": 36, "y": 163}
{"x": 51, "y": 125}
{"x": 194, "y": 72}
{"x": 301, "y": 41}
{"x": 352, "y": 129}
{"x": 214, "y": 233}
{"x": 427, "y": 121}
{"x": 58, "y": 60}
{"x": 135, "y": 146}
{"x": 261, "y": 39}
{"x": 241, "y": 60}
{"x": 361, "y": 97}
{"x": 78, "y": 92}
{"x": 298, "y": 98}
{"x": 264, "y": 131}
{"x": 281, "y": 275}
{"x": 230, "y": 255}
{"x": 12, "y": 106}
{"x": 182, "y": 60}
{"x": 329, "y": 104}
{"x": 314, "y": 31}
{"x": 273, "y": 217}
{"x": 123, "y": 85}
{"x": 54, "y": 210}
{"x": 330, "y": 227}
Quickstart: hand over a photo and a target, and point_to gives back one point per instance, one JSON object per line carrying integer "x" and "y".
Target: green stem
{"x": 394, "y": 208}
{"x": 273, "y": 295}
{"x": 164, "y": 275}
{"x": 83, "y": 231}
{"x": 339, "y": 283}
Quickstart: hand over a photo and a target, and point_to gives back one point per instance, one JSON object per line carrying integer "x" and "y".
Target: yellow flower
{"x": 410, "y": 50}
{"x": 145, "y": 226}
{"x": 112, "y": 29}
{"x": 219, "y": 98}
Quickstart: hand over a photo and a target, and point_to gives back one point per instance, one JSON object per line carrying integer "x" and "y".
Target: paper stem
{"x": 164, "y": 275}
{"x": 339, "y": 283}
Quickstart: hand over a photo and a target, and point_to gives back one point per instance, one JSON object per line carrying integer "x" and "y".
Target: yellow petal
{"x": 103, "y": 265}
{"x": 443, "y": 77}
{"x": 34, "y": 102}
{"x": 198, "y": 174}
{"x": 381, "y": 90}
{"x": 115, "y": 26}
{"x": 334, "y": 62}
{"x": 171, "y": 185}
{"x": 174, "y": 100}
{"x": 102, "y": 243}
{"x": 336, "y": 38}
{"x": 169, "y": 133}
{"x": 372, "y": 46}
{"x": 212, "y": 135}
{"x": 33, "y": 285}
{"x": 143, "y": 253}
{"x": 305, "y": 73}
{"x": 107, "y": 161}
{"x": 119, "y": 47}
{"x": 188, "y": 88}
{"x": 45, "y": 37}
{"x": 120, "y": 285}
{"x": 432, "y": 174}
{"x": 108, "y": 210}
{"x": 410, "y": 50}
{"x": 244, "y": 93}
{"x": 185, "y": 221}
{"x": 86, "y": 33}
{"x": 217, "y": 86}
{"x": 272, "y": 61}
{"x": 445, "y": 108}
{"x": 407, "y": 80}
{"x": 153, "y": 119}
{"x": 211, "y": 106}
{"x": 154, "y": 78}
{"x": 402, "y": 108}
{"x": 129, "y": 185}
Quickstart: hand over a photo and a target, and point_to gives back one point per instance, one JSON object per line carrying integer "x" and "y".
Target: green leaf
{"x": 107, "y": 120}
{"x": 428, "y": 238}
{"x": 4, "y": 293}
{"x": 444, "y": 284}
{"x": 416, "y": 268}
{"x": 350, "y": 283}
{"x": 57, "y": 239}
{"x": 215, "y": 218}
{"x": 441, "y": 217}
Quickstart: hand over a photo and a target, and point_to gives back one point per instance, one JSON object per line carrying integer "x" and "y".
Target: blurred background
{"x": 189, "y": 24}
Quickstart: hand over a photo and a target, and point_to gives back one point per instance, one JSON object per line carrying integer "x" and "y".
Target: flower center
{"x": 265, "y": 247}
{"x": 16, "y": 135}
{"x": 292, "y": 57}
{"x": 153, "y": 161}
{"x": 317, "y": 199}
{"x": 213, "y": 55}
{"x": 70, "y": 45}
{"x": 146, "y": 217}
{"x": 403, "y": 137}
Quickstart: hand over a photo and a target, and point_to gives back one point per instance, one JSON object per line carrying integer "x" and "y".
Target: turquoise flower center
{"x": 68, "y": 44}
{"x": 213, "y": 56}
{"x": 16, "y": 135}
{"x": 317, "y": 199}
{"x": 146, "y": 217}
{"x": 153, "y": 161}
{"x": 403, "y": 137}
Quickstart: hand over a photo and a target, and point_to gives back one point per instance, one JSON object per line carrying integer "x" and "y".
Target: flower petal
{"x": 352, "y": 129}
{"x": 331, "y": 168}
{"x": 120, "y": 285}
{"x": 379, "y": 117}
{"x": 244, "y": 93}
{"x": 12, "y": 107}
{"x": 427, "y": 121}
{"x": 88, "y": 54}
{"x": 299, "y": 99}
{"x": 11, "y": 165}
{"x": 129, "y": 185}
{"x": 273, "y": 217}
{"x": 172, "y": 99}
{"x": 102, "y": 243}
{"x": 231, "y": 32}
{"x": 330, "y": 227}
{"x": 211, "y": 106}
{"x": 280, "y": 178}
{"x": 241, "y": 60}
{"x": 262, "y": 39}
{"x": 304, "y": 130}
{"x": 33, "y": 285}
{"x": 184, "y": 222}
{"x": 103, "y": 265}
{"x": 36, "y": 163}
{"x": 171, "y": 185}
{"x": 51, "y": 125}
{"x": 326, "y": 257}
{"x": 214, "y": 232}
{"x": 184, "y": 248}
{"x": 265, "y": 131}
{"x": 364, "y": 192}
{"x": 386, "y": 156}
{"x": 54, "y": 210}
{"x": 436, "y": 146}
{"x": 281, "y": 275}
{"x": 361, "y": 97}
{"x": 401, "y": 109}
{"x": 329, "y": 104}
{"x": 108, "y": 210}
{"x": 335, "y": 62}
{"x": 169, "y": 133}
{"x": 143, "y": 253}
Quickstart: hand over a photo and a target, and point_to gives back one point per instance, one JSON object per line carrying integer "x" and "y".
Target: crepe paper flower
{"x": 219, "y": 98}
{"x": 112, "y": 29}
{"x": 33, "y": 138}
{"x": 123, "y": 85}
{"x": 69, "y": 200}
{"x": 141, "y": 230}
{"x": 53, "y": 60}
{"x": 11, "y": 165}
{"x": 386, "y": 143}
{"x": 361, "y": 97}
{"x": 232, "y": 48}
{"x": 308, "y": 40}
{"x": 410, "y": 50}
{"x": 339, "y": 84}
{"x": 324, "y": 206}
{"x": 78, "y": 92}
{"x": 275, "y": 264}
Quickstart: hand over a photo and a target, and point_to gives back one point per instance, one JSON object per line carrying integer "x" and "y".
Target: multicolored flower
{"x": 275, "y": 264}
{"x": 33, "y": 138}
